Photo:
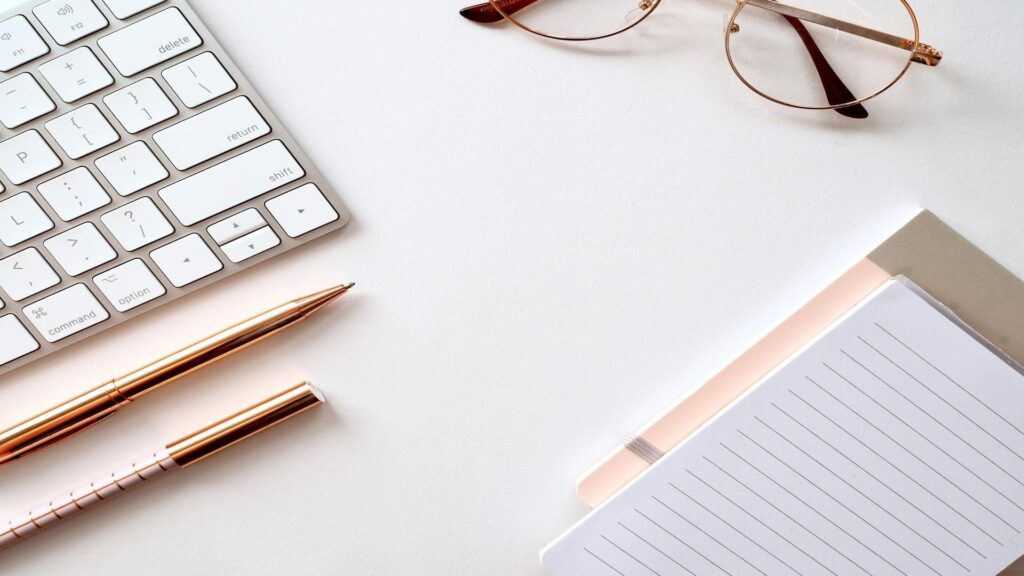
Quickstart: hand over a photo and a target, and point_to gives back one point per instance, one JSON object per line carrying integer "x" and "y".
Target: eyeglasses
{"x": 792, "y": 54}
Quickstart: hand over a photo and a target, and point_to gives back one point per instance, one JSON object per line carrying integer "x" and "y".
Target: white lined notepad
{"x": 891, "y": 445}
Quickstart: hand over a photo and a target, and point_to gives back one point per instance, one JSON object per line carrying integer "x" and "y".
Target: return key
{"x": 212, "y": 133}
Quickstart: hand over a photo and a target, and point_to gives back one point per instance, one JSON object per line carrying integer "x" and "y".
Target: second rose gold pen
{"x": 77, "y": 414}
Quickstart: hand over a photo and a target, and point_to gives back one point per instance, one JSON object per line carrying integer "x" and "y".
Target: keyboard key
{"x": 17, "y": 340}
{"x": 186, "y": 260}
{"x": 21, "y": 218}
{"x": 137, "y": 224}
{"x": 66, "y": 313}
{"x": 140, "y": 106}
{"x": 80, "y": 249}
{"x": 250, "y": 245}
{"x": 82, "y": 132}
{"x": 74, "y": 194}
{"x": 76, "y": 74}
{"x": 27, "y": 156}
{"x": 150, "y": 41}
{"x": 212, "y": 133}
{"x": 302, "y": 210}
{"x": 132, "y": 168}
{"x": 232, "y": 182}
{"x": 237, "y": 226}
{"x": 199, "y": 80}
{"x": 19, "y": 44}
{"x": 22, "y": 100}
{"x": 123, "y": 9}
{"x": 26, "y": 274}
{"x": 69, "y": 20}
{"x": 129, "y": 286}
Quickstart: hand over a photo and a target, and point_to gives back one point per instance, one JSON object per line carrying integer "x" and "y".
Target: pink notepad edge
{"x": 981, "y": 292}
{"x": 674, "y": 424}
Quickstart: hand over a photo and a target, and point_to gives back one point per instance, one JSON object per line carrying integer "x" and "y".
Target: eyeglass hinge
{"x": 924, "y": 54}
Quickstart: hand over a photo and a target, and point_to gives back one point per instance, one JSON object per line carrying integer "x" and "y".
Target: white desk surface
{"x": 551, "y": 242}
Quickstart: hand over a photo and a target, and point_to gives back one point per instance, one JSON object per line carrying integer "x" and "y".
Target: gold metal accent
{"x": 238, "y": 427}
{"x": 927, "y": 55}
{"x": 77, "y": 414}
{"x": 135, "y": 468}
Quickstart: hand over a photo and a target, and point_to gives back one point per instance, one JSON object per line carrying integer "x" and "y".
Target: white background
{"x": 551, "y": 242}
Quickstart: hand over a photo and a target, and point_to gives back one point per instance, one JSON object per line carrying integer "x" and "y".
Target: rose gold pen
{"x": 179, "y": 454}
{"x": 77, "y": 414}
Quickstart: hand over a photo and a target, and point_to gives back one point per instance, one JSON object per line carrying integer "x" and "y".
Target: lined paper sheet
{"x": 892, "y": 445}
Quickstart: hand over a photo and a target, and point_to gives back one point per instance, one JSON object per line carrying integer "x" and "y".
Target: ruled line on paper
{"x": 735, "y": 529}
{"x": 943, "y": 400}
{"x": 881, "y": 508}
{"x": 634, "y": 558}
{"x": 929, "y": 441}
{"x": 659, "y": 550}
{"x": 784, "y": 513}
{"x": 892, "y": 465}
{"x": 871, "y": 475}
{"x": 761, "y": 522}
{"x": 823, "y": 516}
{"x": 603, "y": 561}
{"x": 680, "y": 540}
{"x": 936, "y": 420}
{"x": 863, "y": 455}
{"x": 712, "y": 538}
{"x": 947, "y": 377}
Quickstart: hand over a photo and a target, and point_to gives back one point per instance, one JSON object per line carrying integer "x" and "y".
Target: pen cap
{"x": 240, "y": 426}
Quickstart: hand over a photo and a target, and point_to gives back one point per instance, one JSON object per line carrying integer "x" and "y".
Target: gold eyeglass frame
{"x": 918, "y": 52}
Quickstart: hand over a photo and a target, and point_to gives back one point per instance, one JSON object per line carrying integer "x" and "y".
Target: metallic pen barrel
{"x": 77, "y": 414}
{"x": 179, "y": 454}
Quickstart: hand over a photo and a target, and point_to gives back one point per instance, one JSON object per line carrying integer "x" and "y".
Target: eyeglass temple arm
{"x": 485, "y": 13}
{"x": 836, "y": 91}
{"x": 922, "y": 54}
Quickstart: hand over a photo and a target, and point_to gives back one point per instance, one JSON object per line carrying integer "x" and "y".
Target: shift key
{"x": 150, "y": 41}
{"x": 66, "y": 313}
{"x": 232, "y": 182}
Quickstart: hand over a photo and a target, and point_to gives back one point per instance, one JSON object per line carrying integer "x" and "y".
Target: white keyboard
{"x": 137, "y": 165}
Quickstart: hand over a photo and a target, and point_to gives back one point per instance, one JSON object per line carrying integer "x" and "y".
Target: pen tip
{"x": 315, "y": 302}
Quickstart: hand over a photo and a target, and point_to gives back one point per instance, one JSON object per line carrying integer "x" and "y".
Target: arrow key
{"x": 237, "y": 226}
{"x": 186, "y": 260}
{"x": 302, "y": 210}
{"x": 251, "y": 244}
